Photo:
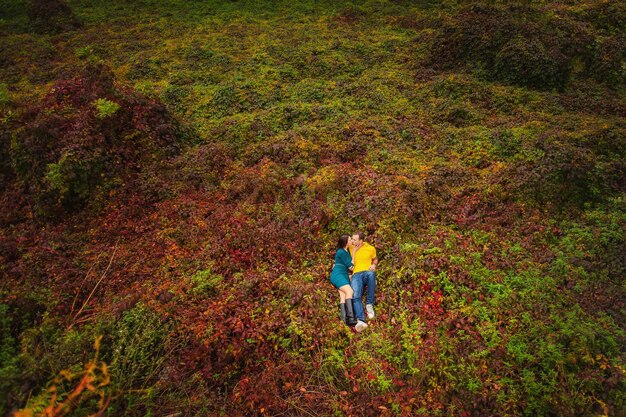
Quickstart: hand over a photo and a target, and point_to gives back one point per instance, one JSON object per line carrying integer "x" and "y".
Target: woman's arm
{"x": 347, "y": 260}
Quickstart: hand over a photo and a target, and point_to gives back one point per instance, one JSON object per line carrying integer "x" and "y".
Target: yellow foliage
{"x": 87, "y": 384}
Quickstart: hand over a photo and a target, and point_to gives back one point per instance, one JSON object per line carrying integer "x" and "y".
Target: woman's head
{"x": 342, "y": 242}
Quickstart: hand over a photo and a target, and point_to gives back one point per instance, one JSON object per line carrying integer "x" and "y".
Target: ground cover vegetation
{"x": 174, "y": 174}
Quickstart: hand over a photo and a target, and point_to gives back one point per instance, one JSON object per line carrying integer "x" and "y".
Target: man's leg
{"x": 357, "y": 287}
{"x": 370, "y": 282}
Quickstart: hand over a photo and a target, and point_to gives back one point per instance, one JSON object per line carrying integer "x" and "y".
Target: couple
{"x": 358, "y": 257}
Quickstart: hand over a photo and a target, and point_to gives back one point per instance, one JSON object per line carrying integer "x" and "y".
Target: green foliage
{"x": 5, "y": 98}
{"x": 146, "y": 68}
{"x": 70, "y": 182}
{"x": 105, "y": 107}
{"x": 139, "y": 345}
{"x": 205, "y": 283}
{"x": 92, "y": 53}
{"x": 73, "y": 390}
{"x": 84, "y": 52}
{"x": 508, "y": 143}
{"x": 134, "y": 349}
{"x": 9, "y": 370}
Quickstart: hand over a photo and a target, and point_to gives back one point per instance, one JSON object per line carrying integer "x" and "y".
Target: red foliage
{"x": 91, "y": 151}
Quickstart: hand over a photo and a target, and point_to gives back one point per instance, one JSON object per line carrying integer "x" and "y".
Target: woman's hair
{"x": 342, "y": 242}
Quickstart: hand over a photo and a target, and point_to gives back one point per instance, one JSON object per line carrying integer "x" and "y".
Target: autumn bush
{"x": 88, "y": 136}
{"x": 46, "y": 351}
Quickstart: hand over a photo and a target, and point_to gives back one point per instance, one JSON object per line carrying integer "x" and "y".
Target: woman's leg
{"x": 342, "y": 306}
{"x": 345, "y": 291}
{"x": 342, "y": 296}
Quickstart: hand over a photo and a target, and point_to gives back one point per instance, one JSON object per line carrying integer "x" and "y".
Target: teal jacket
{"x": 343, "y": 261}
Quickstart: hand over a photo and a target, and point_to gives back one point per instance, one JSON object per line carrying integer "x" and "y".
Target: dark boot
{"x": 342, "y": 311}
{"x": 350, "y": 319}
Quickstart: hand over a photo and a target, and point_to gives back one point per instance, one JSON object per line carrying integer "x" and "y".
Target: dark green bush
{"x": 608, "y": 15}
{"x": 51, "y": 16}
{"x": 608, "y": 61}
{"x": 566, "y": 170}
{"x": 529, "y": 46}
{"x": 474, "y": 33}
{"x": 531, "y": 63}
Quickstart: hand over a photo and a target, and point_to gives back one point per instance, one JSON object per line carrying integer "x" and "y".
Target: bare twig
{"x": 81, "y": 285}
{"x": 95, "y": 286}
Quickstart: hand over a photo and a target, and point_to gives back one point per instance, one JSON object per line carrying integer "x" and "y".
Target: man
{"x": 364, "y": 276}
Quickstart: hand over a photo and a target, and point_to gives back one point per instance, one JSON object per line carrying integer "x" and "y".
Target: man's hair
{"x": 360, "y": 234}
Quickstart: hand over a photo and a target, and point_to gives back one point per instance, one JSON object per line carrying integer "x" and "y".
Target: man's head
{"x": 357, "y": 238}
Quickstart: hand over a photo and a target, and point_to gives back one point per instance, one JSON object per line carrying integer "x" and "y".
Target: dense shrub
{"x": 528, "y": 61}
{"x": 607, "y": 16}
{"x": 463, "y": 36}
{"x": 51, "y": 15}
{"x": 567, "y": 170}
{"x": 608, "y": 61}
{"x": 128, "y": 361}
{"x": 88, "y": 135}
{"x": 529, "y": 46}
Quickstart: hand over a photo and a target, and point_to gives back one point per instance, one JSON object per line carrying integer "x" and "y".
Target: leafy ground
{"x": 175, "y": 174}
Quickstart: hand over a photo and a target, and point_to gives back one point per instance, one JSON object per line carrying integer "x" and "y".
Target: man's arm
{"x": 374, "y": 264}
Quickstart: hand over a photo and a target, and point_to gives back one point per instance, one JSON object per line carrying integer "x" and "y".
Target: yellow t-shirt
{"x": 363, "y": 257}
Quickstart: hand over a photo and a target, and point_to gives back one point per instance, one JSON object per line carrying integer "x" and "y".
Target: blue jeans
{"x": 359, "y": 281}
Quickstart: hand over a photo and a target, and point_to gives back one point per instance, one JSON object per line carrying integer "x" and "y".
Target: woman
{"x": 341, "y": 280}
